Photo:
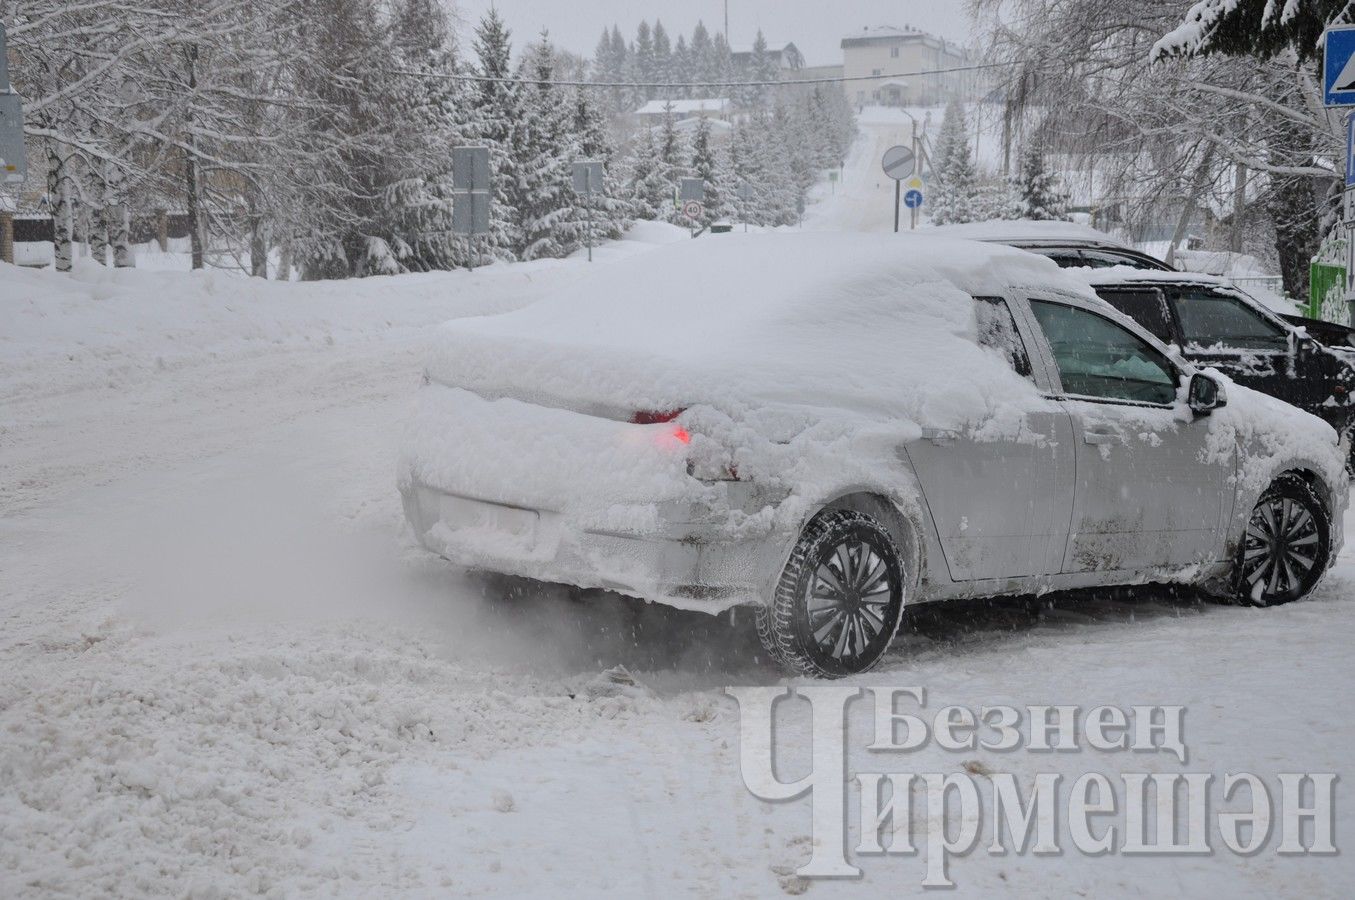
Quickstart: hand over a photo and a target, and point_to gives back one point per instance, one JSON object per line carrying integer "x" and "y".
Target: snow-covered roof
{"x": 873, "y": 33}
{"x": 747, "y": 49}
{"x": 880, "y": 324}
{"x": 684, "y": 107}
{"x": 717, "y": 126}
{"x": 1124, "y": 274}
{"x": 1024, "y": 229}
{"x": 884, "y": 31}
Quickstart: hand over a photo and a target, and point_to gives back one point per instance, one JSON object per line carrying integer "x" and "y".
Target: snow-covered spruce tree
{"x": 735, "y": 170}
{"x": 648, "y": 189}
{"x": 644, "y": 63}
{"x": 346, "y": 231}
{"x": 663, "y": 55}
{"x": 683, "y": 70}
{"x": 673, "y": 155}
{"x": 957, "y": 187}
{"x": 771, "y": 173}
{"x": 494, "y": 118}
{"x": 763, "y": 69}
{"x": 611, "y": 65}
{"x": 703, "y": 58}
{"x": 1039, "y": 194}
{"x": 608, "y": 210}
{"x": 704, "y": 167}
{"x": 543, "y": 151}
{"x": 419, "y": 202}
{"x": 722, "y": 68}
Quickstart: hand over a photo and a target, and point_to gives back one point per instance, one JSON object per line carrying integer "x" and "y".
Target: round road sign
{"x": 693, "y": 209}
{"x": 898, "y": 162}
{"x": 912, "y": 199}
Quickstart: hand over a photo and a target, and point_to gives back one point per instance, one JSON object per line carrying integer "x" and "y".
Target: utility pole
{"x": 726, "y": 21}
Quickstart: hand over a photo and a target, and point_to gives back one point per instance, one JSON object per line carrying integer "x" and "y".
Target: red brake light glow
{"x": 650, "y": 417}
{"x": 682, "y": 435}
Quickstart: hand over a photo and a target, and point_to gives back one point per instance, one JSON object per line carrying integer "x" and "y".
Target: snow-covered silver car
{"x": 831, "y": 427}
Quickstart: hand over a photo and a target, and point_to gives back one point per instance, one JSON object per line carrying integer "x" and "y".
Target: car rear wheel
{"x": 839, "y": 600}
{"x": 1285, "y": 546}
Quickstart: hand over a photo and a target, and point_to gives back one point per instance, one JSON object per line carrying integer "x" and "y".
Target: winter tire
{"x": 1285, "y": 546}
{"x": 839, "y": 600}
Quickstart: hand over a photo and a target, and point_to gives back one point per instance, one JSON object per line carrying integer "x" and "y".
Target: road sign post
{"x": 898, "y": 164}
{"x": 911, "y": 185}
{"x": 470, "y": 193}
{"x": 745, "y": 193}
{"x": 692, "y": 195}
{"x": 588, "y": 175}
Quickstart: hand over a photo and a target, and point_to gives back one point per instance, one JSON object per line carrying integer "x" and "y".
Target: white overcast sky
{"x": 815, "y": 26}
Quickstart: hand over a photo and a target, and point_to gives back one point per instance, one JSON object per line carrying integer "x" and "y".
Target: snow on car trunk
{"x": 534, "y": 407}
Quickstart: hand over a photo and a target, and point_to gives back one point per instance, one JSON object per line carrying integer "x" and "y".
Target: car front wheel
{"x": 839, "y": 600}
{"x": 1285, "y": 546}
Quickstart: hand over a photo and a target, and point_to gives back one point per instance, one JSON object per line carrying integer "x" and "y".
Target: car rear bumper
{"x": 684, "y": 564}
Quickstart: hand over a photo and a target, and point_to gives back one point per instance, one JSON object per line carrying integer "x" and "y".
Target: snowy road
{"x": 227, "y": 671}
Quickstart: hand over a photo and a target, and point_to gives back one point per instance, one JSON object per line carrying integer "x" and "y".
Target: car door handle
{"x": 1100, "y": 437}
{"x": 939, "y": 435}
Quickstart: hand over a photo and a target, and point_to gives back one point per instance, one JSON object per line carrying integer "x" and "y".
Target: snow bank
{"x": 97, "y": 323}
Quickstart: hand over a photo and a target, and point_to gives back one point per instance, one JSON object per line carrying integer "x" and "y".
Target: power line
{"x": 838, "y": 79}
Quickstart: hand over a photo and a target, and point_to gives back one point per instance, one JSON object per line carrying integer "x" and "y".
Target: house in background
{"x": 787, "y": 57}
{"x": 655, "y": 110}
{"x": 886, "y": 56}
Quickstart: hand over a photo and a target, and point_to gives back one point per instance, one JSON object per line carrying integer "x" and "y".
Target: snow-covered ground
{"x": 228, "y": 671}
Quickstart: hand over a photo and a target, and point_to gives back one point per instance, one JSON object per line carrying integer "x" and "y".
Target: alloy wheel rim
{"x": 848, "y": 599}
{"x": 1281, "y": 548}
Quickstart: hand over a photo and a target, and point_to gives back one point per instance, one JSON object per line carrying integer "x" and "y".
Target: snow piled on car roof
{"x": 1126, "y": 274}
{"x": 1023, "y": 229}
{"x": 878, "y": 323}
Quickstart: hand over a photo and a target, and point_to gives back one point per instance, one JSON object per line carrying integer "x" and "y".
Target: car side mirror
{"x": 1205, "y": 395}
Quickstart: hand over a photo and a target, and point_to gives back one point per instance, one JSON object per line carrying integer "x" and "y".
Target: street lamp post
{"x": 912, "y": 213}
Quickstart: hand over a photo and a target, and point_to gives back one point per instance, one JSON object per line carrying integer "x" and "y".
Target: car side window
{"x": 1098, "y": 358}
{"x": 1210, "y": 319}
{"x": 1104, "y": 259}
{"x": 997, "y": 331}
{"x": 1064, "y": 259}
{"x": 1146, "y": 306}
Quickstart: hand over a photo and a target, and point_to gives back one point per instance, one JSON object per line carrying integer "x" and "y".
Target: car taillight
{"x": 650, "y": 417}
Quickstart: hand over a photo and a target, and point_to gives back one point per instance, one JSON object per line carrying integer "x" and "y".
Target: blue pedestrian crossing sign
{"x": 1338, "y": 66}
{"x": 912, "y": 199}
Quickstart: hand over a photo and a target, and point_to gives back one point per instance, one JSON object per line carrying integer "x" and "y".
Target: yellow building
{"x": 887, "y": 57}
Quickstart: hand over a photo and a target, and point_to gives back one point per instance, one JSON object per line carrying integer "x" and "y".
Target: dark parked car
{"x": 1066, "y": 243}
{"x": 1217, "y": 325}
{"x": 1332, "y": 334}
